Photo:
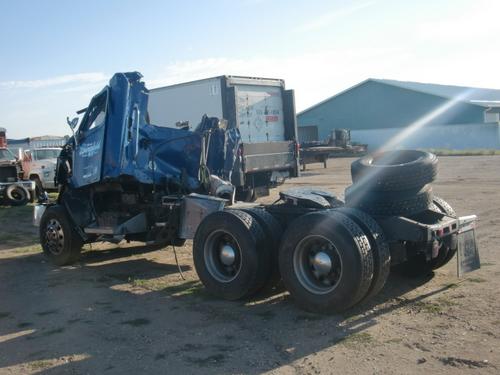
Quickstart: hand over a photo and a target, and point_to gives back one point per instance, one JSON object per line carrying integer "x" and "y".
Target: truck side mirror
{"x": 73, "y": 123}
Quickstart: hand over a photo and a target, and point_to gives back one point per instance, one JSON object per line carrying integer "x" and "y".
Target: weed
{"x": 39, "y": 365}
{"x": 54, "y": 331}
{"x": 396, "y": 340}
{"x": 24, "y": 324}
{"x": 357, "y": 339}
{"x": 47, "y": 312}
{"x": 137, "y": 322}
{"x": 476, "y": 280}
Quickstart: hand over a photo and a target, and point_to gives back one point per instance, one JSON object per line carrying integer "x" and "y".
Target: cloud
{"x": 327, "y": 19}
{"x": 314, "y": 76}
{"x": 79, "y": 78}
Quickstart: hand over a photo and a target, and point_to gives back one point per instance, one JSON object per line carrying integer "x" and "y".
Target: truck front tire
{"x": 60, "y": 241}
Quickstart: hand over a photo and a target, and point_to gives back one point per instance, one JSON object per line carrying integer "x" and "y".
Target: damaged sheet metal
{"x": 125, "y": 144}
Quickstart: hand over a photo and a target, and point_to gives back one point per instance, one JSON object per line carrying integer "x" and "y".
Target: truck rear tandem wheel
{"x": 231, "y": 254}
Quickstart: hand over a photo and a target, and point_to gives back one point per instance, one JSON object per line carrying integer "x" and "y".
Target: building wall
{"x": 374, "y": 105}
{"x": 453, "y": 137}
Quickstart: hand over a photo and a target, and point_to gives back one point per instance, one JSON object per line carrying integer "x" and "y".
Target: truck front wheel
{"x": 60, "y": 241}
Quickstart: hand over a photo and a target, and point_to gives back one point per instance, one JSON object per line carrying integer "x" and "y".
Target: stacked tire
{"x": 394, "y": 183}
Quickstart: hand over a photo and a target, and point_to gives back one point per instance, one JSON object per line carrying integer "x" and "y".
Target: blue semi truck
{"x": 122, "y": 178}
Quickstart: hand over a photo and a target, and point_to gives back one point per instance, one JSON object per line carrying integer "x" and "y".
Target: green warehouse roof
{"x": 472, "y": 95}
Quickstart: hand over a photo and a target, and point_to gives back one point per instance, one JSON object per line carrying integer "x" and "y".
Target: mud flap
{"x": 467, "y": 253}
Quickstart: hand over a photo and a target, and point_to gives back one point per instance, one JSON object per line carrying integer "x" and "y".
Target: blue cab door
{"x": 88, "y": 153}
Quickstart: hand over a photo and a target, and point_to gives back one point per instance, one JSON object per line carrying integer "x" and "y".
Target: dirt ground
{"x": 126, "y": 310}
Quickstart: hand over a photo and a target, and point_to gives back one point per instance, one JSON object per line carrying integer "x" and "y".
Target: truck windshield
{"x": 5, "y": 154}
{"x": 46, "y": 154}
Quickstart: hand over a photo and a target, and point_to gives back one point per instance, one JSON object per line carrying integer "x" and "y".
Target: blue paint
{"x": 126, "y": 145}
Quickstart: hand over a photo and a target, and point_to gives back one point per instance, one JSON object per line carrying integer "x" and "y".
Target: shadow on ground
{"x": 94, "y": 309}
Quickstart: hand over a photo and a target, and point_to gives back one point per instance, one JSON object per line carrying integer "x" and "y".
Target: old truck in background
{"x": 13, "y": 189}
{"x": 39, "y": 165}
{"x": 123, "y": 178}
{"x": 260, "y": 108}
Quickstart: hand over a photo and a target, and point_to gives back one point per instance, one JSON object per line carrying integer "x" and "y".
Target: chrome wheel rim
{"x": 317, "y": 264}
{"x": 54, "y": 237}
{"x": 222, "y": 256}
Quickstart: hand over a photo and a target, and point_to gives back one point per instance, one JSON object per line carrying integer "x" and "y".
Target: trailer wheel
{"x": 230, "y": 254}
{"x": 379, "y": 245}
{"x": 385, "y": 203}
{"x": 395, "y": 170}
{"x": 326, "y": 262}
{"x": 17, "y": 195}
{"x": 273, "y": 231}
{"x": 60, "y": 241}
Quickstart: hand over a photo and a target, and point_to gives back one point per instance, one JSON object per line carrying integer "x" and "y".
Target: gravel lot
{"x": 127, "y": 310}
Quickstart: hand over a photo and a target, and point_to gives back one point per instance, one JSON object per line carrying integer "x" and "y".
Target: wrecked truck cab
{"x": 114, "y": 139}
{"x": 121, "y": 177}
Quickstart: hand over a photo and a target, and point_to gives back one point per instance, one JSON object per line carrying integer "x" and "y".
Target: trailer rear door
{"x": 260, "y": 113}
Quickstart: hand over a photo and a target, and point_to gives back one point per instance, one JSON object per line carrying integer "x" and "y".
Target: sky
{"x": 55, "y": 54}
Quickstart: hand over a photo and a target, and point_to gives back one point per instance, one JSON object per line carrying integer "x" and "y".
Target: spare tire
{"x": 395, "y": 170}
{"x": 389, "y": 203}
{"x": 17, "y": 195}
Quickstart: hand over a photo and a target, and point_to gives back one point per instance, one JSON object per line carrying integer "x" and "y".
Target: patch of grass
{"x": 396, "y": 340}
{"x": 47, "y": 312}
{"x": 436, "y": 307}
{"x": 266, "y": 315}
{"x": 446, "y": 302}
{"x": 150, "y": 284}
{"x": 476, "y": 280}
{"x": 487, "y": 264}
{"x": 309, "y": 317}
{"x": 4, "y": 314}
{"x": 356, "y": 340}
{"x": 428, "y": 307}
{"x": 189, "y": 288}
{"x": 451, "y": 285}
{"x": 27, "y": 249}
{"x": 137, "y": 322}
{"x": 467, "y": 152}
{"x": 24, "y": 324}
{"x": 216, "y": 359}
{"x": 54, "y": 331}
{"x": 10, "y": 237}
{"x": 39, "y": 365}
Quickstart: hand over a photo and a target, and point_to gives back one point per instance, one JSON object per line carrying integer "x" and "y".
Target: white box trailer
{"x": 261, "y": 108}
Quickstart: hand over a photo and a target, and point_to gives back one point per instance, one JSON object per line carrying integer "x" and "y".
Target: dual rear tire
{"x": 328, "y": 260}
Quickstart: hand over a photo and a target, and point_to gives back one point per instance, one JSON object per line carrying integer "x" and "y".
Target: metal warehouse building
{"x": 377, "y": 109}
